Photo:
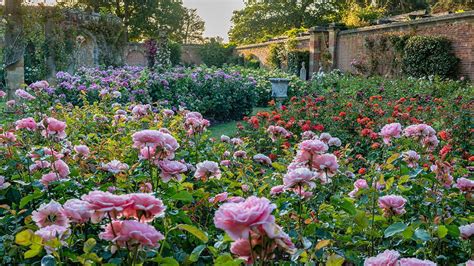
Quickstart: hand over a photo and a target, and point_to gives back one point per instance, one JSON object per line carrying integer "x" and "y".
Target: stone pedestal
{"x": 14, "y": 77}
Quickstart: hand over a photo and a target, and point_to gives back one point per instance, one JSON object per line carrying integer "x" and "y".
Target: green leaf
{"x": 168, "y": 261}
{"x": 23, "y": 238}
{"x": 279, "y": 167}
{"x": 195, "y": 231}
{"x": 334, "y": 260}
{"x": 361, "y": 219}
{"x": 196, "y": 253}
{"x": 392, "y": 158}
{"x": 348, "y": 206}
{"x": 227, "y": 260}
{"x": 422, "y": 234}
{"x": 35, "y": 249}
{"x": 25, "y": 200}
{"x": 183, "y": 196}
{"x": 453, "y": 230}
{"x": 394, "y": 229}
{"x": 89, "y": 245}
{"x": 442, "y": 231}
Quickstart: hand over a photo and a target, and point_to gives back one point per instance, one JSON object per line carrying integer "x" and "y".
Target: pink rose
{"x": 241, "y": 248}
{"x": 225, "y": 163}
{"x": 299, "y": 178}
{"x": 358, "y": 184}
{"x": 219, "y": 198}
{"x": 26, "y": 123}
{"x": 277, "y": 189}
{"x": 48, "y": 178}
{"x": 2, "y": 94}
{"x": 237, "y": 219}
{"x": 326, "y": 164}
{"x": 308, "y": 149}
{"x": 240, "y": 154}
{"x": 50, "y": 214}
{"x": 411, "y": 158}
{"x": 82, "y": 150}
{"x": 207, "y": 169}
{"x": 390, "y": 131}
{"x": 387, "y": 258}
{"x": 164, "y": 144}
{"x": 392, "y": 205}
{"x": 465, "y": 185}
{"x": 170, "y": 169}
{"x": 325, "y": 137}
{"x": 225, "y": 138}
{"x": 7, "y": 137}
{"x": 129, "y": 233}
{"x": 61, "y": 168}
{"x": 144, "y": 207}
{"x": 415, "y": 262}
{"x": 106, "y": 203}
{"x": 78, "y": 211}
{"x": 334, "y": 142}
{"x": 115, "y": 167}
{"x": 467, "y": 231}
{"x": 195, "y": 123}
{"x": 24, "y": 95}
{"x": 263, "y": 159}
{"x": 54, "y": 127}
{"x": 276, "y": 132}
{"x": 53, "y": 231}
{"x": 39, "y": 85}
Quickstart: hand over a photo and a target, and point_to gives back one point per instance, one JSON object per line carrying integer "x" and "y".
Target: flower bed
{"x": 131, "y": 183}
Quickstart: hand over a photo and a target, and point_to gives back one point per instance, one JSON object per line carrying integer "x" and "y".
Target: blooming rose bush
{"x": 118, "y": 183}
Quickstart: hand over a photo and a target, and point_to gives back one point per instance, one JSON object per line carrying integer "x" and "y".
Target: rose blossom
{"x": 8, "y": 137}
{"x": 225, "y": 163}
{"x": 236, "y": 141}
{"x": 465, "y": 185}
{"x": 358, "y": 184}
{"x": 82, "y": 150}
{"x": 263, "y": 159}
{"x": 235, "y": 199}
{"x": 411, "y": 158}
{"x": 54, "y": 127}
{"x": 130, "y": 232}
{"x": 240, "y": 154}
{"x": 168, "y": 112}
{"x": 106, "y": 203}
{"x": 415, "y": 262}
{"x": 298, "y": 178}
{"x": 140, "y": 110}
{"x": 387, "y": 258}
{"x": 49, "y": 214}
{"x": 237, "y": 219}
{"x": 467, "y": 231}
{"x": 334, "y": 142}
{"x": 195, "y": 123}
{"x": 278, "y": 131}
{"x": 170, "y": 169}
{"x": 52, "y": 231}
{"x": 39, "y": 85}
{"x": 225, "y": 138}
{"x": 164, "y": 143}
{"x": 145, "y": 207}
{"x": 207, "y": 169}
{"x": 277, "y": 189}
{"x": 241, "y": 248}
{"x": 470, "y": 263}
{"x": 61, "y": 168}
{"x": 48, "y": 178}
{"x": 115, "y": 166}
{"x": 78, "y": 211}
{"x": 390, "y": 131}
{"x": 218, "y": 198}
{"x": 325, "y": 137}
{"x": 2, "y": 94}
{"x": 26, "y": 123}
{"x": 326, "y": 164}
{"x": 24, "y": 95}
{"x": 309, "y": 149}
{"x": 38, "y": 164}
{"x": 392, "y": 205}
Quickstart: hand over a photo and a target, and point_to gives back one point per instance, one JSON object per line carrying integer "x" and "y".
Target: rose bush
{"x": 325, "y": 179}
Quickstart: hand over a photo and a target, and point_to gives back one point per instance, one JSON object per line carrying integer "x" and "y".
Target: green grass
{"x": 230, "y": 128}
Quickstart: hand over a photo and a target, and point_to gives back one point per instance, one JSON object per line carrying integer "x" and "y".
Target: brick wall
{"x": 459, "y": 28}
{"x": 261, "y": 51}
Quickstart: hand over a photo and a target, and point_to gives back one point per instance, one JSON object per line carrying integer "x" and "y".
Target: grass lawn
{"x": 230, "y": 128}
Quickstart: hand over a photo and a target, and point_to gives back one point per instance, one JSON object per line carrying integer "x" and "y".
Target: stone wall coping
{"x": 456, "y": 16}
{"x": 263, "y": 44}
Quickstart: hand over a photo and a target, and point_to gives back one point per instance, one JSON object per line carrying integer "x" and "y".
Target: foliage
{"x": 358, "y": 16}
{"x": 425, "y": 56}
{"x": 323, "y": 218}
{"x": 193, "y": 27}
{"x": 175, "y": 53}
{"x": 276, "y": 55}
{"x": 214, "y": 53}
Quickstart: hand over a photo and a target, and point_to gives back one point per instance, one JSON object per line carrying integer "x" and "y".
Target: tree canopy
{"x": 260, "y": 20}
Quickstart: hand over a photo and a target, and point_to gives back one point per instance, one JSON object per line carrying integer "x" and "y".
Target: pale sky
{"x": 216, "y": 14}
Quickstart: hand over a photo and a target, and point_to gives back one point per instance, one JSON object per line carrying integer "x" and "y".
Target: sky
{"x": 216, "y": 14}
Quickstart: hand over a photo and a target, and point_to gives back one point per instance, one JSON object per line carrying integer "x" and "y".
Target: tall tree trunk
{"x": 14, "y": 47}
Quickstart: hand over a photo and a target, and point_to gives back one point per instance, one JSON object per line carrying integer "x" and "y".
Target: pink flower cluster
{"x": 194, "y": 123}
{"x": 424, "y": 133}
{"x": 276, "y": 132}
{"x": 391, "y": 258}
{"x": 390, "y": 131}
{"x": 392, "y": 205}
{"x": 24, "y": 95}
{"x": 207, "y": 170}
{"x": 249, "y": 223}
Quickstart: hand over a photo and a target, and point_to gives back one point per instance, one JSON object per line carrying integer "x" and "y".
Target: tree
{"x": 192, "y": 28}
{"x": 141, "y": 18}
{"x": 261, "y": 19}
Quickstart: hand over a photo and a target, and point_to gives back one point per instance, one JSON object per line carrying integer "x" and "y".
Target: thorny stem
{"x": 251, "y": 249}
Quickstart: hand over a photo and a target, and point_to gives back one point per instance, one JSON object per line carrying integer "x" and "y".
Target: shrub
{"x": 175, "y": 53}
{"x": 215, "y": 53}
{"x": 427, "y": 55}
{"x": 276, "y": 55}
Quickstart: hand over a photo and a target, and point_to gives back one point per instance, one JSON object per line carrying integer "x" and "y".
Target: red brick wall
{"x": 459, "y": 28}
{"x": 261, "y": 51}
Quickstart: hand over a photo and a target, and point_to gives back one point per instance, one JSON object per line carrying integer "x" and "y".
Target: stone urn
{"x": 279, "y": 88}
